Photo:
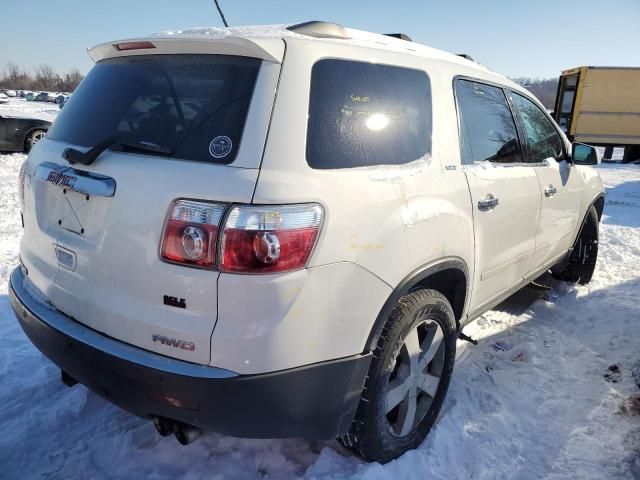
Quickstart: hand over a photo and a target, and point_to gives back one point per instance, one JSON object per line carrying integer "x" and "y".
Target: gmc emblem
{"x": 174, "y": 342}
{"x": 61, "y": 180}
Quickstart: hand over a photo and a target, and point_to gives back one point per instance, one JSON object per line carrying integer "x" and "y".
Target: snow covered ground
{"x": 19, "y": 107}
{"x": 541, "y": 396}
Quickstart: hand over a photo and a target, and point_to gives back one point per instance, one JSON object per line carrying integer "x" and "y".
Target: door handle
{"x": 487, "y": 203}
{"x": 550, "y": 191}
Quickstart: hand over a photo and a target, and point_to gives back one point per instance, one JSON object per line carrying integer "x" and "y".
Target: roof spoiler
{"x": 270, "y": 49}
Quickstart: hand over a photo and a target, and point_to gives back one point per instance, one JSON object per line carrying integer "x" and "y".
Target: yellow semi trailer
{"x": 601, "y": 106}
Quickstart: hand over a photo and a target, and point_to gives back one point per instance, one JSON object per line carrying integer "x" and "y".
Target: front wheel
{"x": 408, "y": 378}
{"x": 581, "y": 264}
{"x": 33, "y": 138}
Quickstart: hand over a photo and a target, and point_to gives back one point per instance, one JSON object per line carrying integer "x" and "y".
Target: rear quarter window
{"x": 363, "y": 114}
{"x": 196, "y": 105}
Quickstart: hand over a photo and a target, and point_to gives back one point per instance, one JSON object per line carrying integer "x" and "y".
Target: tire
{"x": 33, "y": 138}
{"x": 580, "y": 265}
{"x": 379, "y": 433}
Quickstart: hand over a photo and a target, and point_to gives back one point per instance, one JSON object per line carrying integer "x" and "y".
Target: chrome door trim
{"x": 80, "y": 181}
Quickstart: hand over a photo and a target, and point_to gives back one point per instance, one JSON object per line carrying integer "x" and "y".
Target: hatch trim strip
{"x": 80, "y": 181}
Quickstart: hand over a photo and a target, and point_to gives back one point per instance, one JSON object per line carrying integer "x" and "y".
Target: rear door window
{"x": 487, "y": 127}
{"x": 363, "y": 114}
{"x": 195, "y": 105}
{"x": 543, "y": 139}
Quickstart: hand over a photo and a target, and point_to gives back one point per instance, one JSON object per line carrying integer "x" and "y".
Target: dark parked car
{"x": 20, "y": 134}
{"x": 42, "y": 97}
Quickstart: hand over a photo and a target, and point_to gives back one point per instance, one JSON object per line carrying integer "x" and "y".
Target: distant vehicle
{"x": 21, "y": 134}
{"x": 3, "y": 98}
{"x": 61, "y": 99}
{"x": 42, "y": 97}
{"x": 51, "y": 97}
{"x": 601, "y": 106}
{"x": 10, "y": 93}
{"x": 30, "y": 96}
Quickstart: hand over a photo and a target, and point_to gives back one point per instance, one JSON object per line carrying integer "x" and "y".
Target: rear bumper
{"x": 315, "y": 401}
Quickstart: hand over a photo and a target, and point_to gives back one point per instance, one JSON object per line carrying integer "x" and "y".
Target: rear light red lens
{"x": 133, "y": 46}
{"x": 191, "y": 233}
{"x": 265, "y": 239}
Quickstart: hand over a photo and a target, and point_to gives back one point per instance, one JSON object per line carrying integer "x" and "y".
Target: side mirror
{"x": 582, "y": 154}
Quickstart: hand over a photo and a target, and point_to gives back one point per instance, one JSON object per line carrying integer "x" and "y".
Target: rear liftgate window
{"x": 363, "y": 114}
{"x": 194, "y": 105}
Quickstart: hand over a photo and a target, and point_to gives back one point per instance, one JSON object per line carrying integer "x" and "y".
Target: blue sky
{"x": 536, "y": 38}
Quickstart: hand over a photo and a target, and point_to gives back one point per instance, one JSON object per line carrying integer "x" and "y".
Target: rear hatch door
{"x": 93, "y": 232}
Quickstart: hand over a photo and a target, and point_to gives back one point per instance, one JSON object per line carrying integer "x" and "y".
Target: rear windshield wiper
{"x": 87, "y": 158}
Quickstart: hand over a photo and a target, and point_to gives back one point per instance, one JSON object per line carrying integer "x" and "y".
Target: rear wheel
{"x": 408, "y": 378}
{"x": 33, "y": 138}
{"x": 581, "y": 263}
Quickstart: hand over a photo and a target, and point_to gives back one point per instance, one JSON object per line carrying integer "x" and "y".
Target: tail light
{"x": 253, "y": 239}
{"x": 265, "y": 239}
{"x": 191, "y": 233}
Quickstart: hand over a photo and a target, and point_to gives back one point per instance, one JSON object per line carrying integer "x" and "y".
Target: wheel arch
{"x": 561, "y": 270}
{"x": 598, "y": 204}
{"x": 449, "y": 276}
{"x": 29, "y": 131}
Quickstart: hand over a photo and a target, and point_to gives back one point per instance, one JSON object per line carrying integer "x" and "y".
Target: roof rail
{"x": 464, "y": 55}
{"x": 320, "y": 30}
{"x": 401, "y": 36}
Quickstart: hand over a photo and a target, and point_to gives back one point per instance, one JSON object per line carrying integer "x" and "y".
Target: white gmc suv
{"x": 281, "y": 232}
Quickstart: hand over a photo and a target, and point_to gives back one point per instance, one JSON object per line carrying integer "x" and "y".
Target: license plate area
{"x": 78, "y": 213}
{"x": 75, "y": 201}
{"x": 70, "y": 210}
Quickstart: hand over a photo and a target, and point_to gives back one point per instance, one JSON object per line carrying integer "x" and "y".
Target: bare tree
{"x": 44, "y": 77}
{"x": 71, "y": 80}
{"x": 543, "y": 88}
{"x": 15, "y": 78}
{"x": 12, "y": 71}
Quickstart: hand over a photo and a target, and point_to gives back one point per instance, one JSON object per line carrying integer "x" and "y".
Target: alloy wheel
{"x": 415, "y": 378}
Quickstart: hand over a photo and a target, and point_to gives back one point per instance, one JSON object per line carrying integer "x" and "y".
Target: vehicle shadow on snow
{"x": 57, "y": 431}
{"x": 625, "y": 199}
{"x": 549, "y": 359}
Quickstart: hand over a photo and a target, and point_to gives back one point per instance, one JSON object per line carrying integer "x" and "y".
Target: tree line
{"x": 42, "y": 77}
{"x": 543, "y": 88}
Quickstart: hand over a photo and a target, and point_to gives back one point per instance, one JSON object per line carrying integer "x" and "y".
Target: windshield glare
{"x": 195, "y": 105}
